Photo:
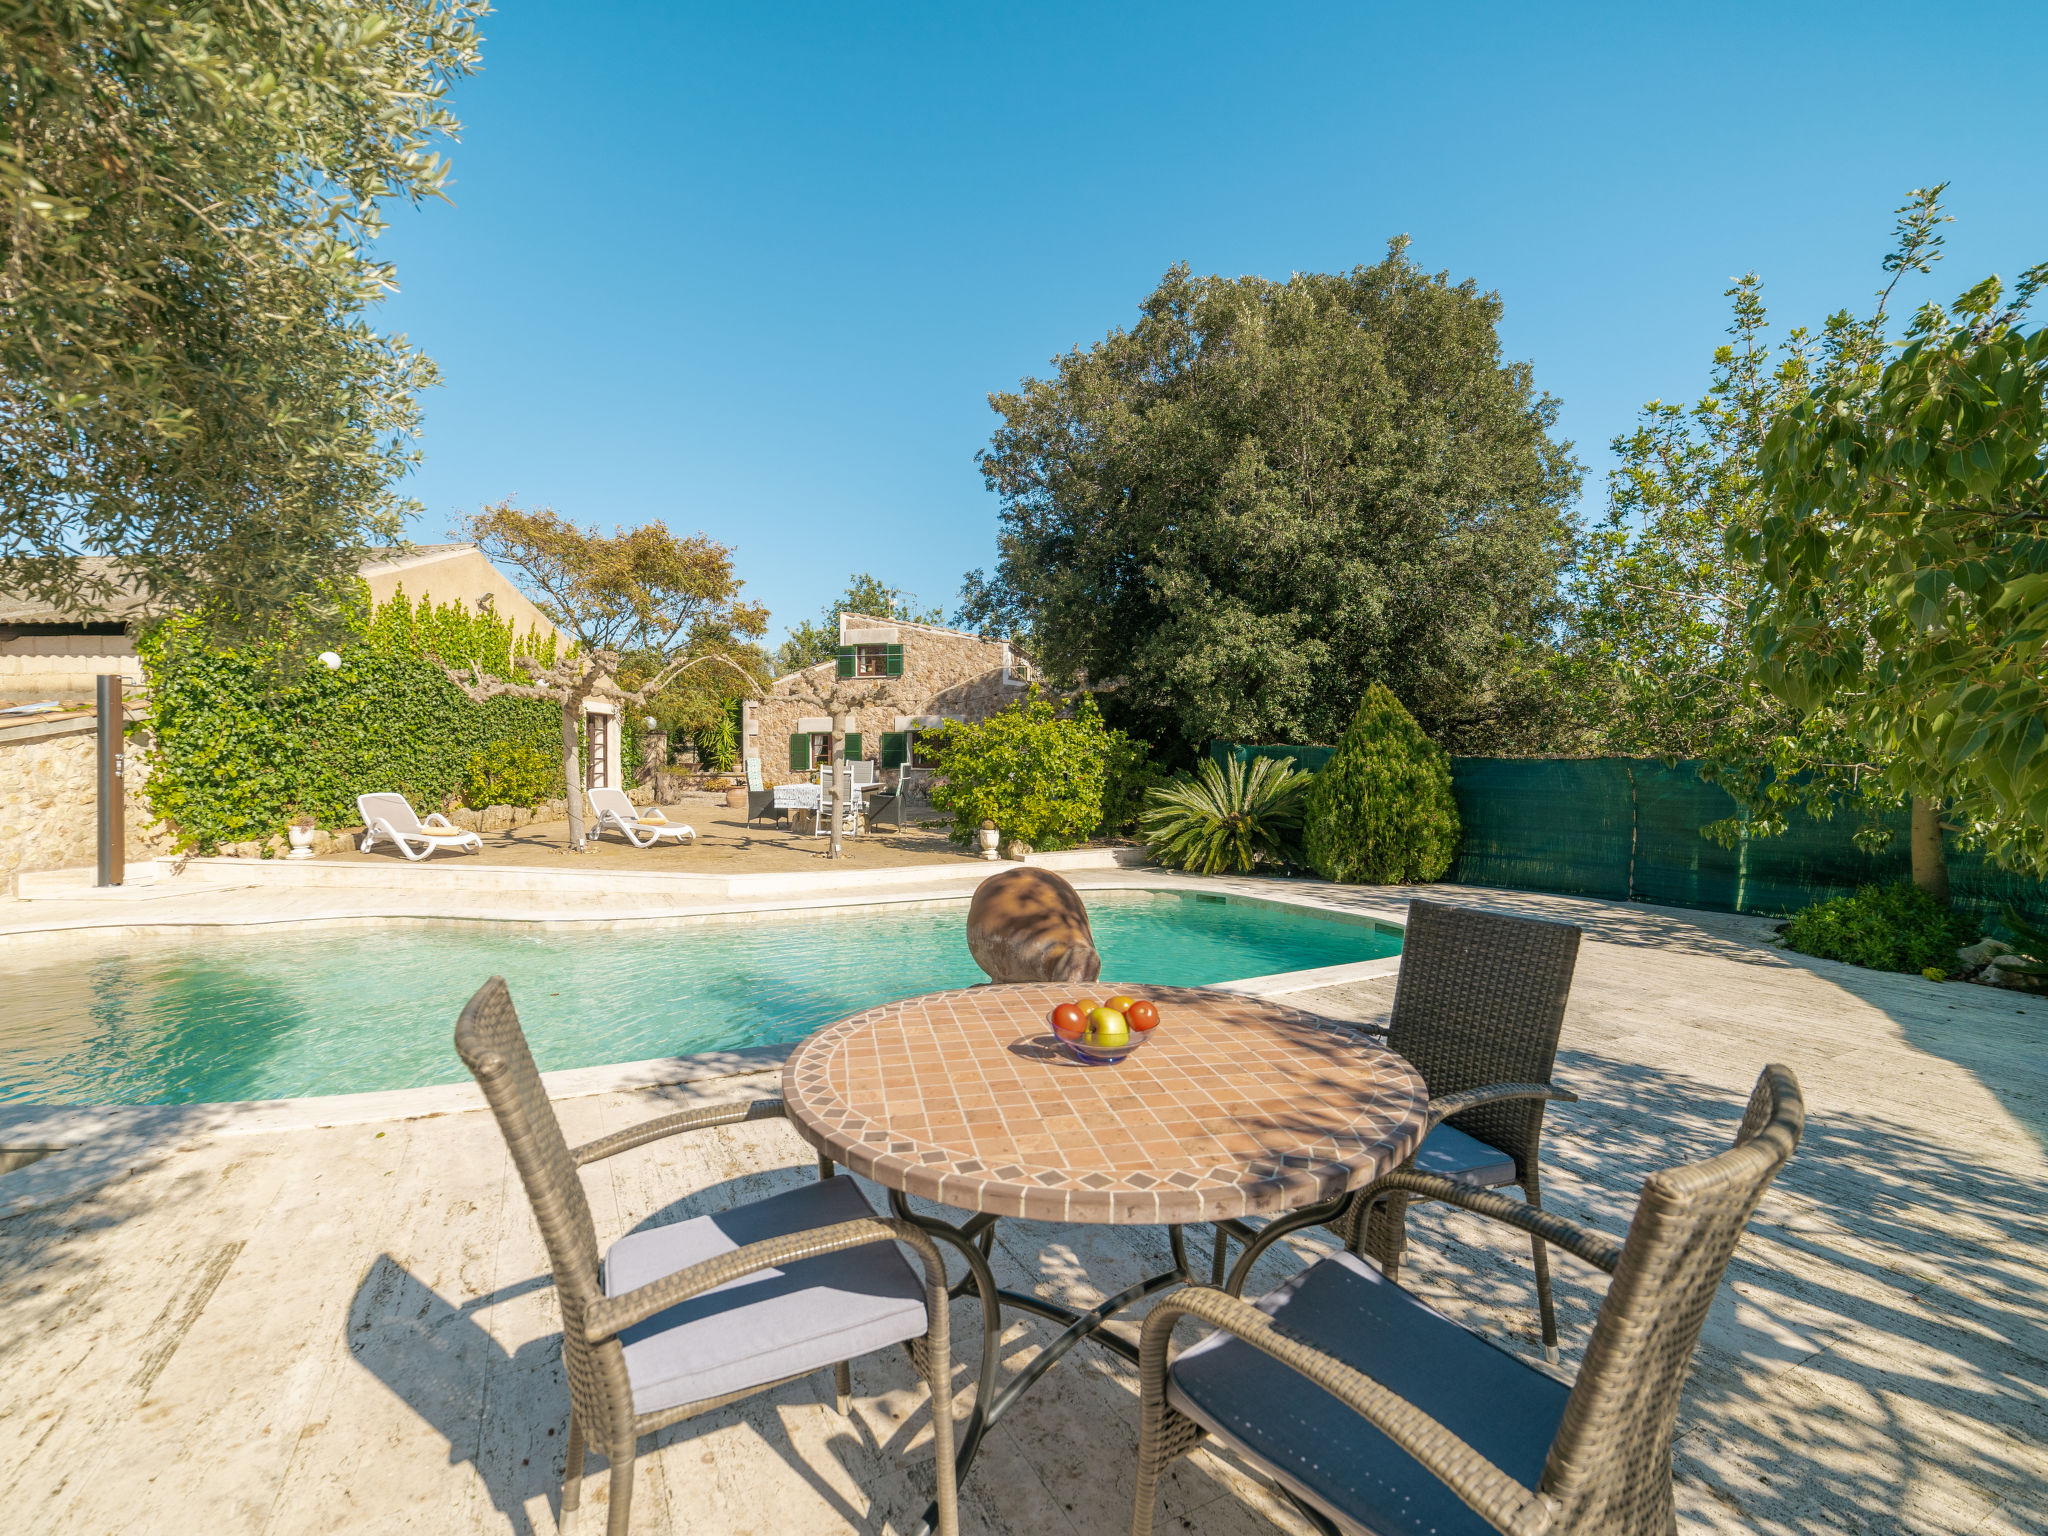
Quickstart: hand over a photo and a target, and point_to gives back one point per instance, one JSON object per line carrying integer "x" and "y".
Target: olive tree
{"x": 187, "y": 377}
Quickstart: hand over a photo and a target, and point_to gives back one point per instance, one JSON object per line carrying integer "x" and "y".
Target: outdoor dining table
{"x": 798, "y": 797}
{"x": 1237, "y": 1106}
{"x": 811, "y": 797}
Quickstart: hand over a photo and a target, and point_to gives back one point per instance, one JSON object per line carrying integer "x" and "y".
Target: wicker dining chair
{"x": 1379, "y": 1415}
{"x": 682, "y": 1318}
{"x": 1477, "y": 1011}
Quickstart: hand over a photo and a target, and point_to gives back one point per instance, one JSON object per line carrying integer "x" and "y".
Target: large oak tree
{"x": 1265, "y": 496}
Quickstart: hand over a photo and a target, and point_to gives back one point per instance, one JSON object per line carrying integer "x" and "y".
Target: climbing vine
{"x": 246, "y": 738}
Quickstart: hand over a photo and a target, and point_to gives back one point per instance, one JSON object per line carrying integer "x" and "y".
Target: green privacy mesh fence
{"x": 1629, "y": 830}
{"x": 1308, "y": 759}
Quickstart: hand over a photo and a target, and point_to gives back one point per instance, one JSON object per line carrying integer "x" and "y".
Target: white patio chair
{"x": 643, "y": 829}
{"x": 391, "y": 817}
{"x": 852, "y": 825}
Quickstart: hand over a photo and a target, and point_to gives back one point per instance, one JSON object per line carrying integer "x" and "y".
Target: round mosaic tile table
{"x": 1236, "y": 1107}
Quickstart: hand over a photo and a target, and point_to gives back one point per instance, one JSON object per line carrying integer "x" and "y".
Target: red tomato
{"x": 1068, "y": 1021}
{"x": 1143, "y": 1015}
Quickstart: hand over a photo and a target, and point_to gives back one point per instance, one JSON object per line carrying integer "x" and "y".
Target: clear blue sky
{"x": 755, "y": 269}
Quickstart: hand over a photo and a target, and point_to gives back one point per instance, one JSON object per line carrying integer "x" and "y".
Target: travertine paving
{"x": 351, "y": 1329}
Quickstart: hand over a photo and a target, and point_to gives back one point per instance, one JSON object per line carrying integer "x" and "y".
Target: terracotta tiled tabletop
{"x": 1235, "y": 1107}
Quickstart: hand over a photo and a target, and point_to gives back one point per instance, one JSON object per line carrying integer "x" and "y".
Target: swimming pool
{"x": 134, "y": 1020}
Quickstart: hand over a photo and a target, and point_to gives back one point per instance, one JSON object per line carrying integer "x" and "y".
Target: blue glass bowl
{"x": 1103, "y": 1055}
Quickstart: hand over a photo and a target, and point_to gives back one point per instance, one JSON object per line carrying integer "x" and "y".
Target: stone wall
{"x": 49, "y": 796}
{"x": 946, "y": 673}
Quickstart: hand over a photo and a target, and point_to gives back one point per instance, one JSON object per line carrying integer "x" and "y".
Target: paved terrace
{"x": 283, "y": 1326}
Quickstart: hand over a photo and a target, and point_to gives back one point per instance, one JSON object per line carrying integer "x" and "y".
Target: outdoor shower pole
{"x": 112, "y": 789}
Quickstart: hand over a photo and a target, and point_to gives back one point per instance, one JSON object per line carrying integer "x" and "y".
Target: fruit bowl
{"x": 1102, "y": 1055}
{"x": 1122, "y": 1022}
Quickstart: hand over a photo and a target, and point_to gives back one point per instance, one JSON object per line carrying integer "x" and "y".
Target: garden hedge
{"x": 245, "y": 738}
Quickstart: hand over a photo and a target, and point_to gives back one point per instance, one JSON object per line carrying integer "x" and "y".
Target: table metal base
{"x": 974, "y": 1239}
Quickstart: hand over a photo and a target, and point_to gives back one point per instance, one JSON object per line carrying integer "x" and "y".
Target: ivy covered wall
{"x": 247, "y": 738}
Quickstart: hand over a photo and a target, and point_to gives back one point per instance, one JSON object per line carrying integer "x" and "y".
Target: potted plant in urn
{"x": 301, "y": 833}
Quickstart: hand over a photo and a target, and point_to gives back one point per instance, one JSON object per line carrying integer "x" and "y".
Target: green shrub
{"x": 1035, "y": 775}
{"x": 1380, "y": 811}
{"x": 1884, "y": 927}
{"x": 511, "y": 773}
{"x": 1227, "y": 817}
{"x": 1130, "y": 782}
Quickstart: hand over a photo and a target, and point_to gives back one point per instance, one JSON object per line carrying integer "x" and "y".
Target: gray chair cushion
{"x": 1506, "y": 1410}
{"x": 773, "y": 1323}
{"x": 1449, "y": 1153}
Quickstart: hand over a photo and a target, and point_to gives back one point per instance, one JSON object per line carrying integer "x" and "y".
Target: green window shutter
{"x": 895, "y": 747}
{"x": 800, "y": 752}
{"x": 852, "y": 746}
{"x": 895, "y": 657}
{"x": 846, "y": 661}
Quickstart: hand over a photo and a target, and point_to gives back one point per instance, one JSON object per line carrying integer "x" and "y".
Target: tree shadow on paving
{"x": 487, "y": 1402}
{"x": 1882, "y": 1338}
{"x": 1079, "y": 1265}
{"x": 50, "y": 1266}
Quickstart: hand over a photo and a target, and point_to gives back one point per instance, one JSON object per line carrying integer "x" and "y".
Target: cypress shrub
{"x": 1380, "y": 812}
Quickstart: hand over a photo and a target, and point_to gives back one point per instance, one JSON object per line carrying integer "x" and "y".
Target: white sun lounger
{"x": 643, "y": 829}
{"x": 391, "y": 816}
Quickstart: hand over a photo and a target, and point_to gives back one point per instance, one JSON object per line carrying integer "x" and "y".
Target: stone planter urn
{"x": 302, "y": 842}
{"x": 989, "y": 837}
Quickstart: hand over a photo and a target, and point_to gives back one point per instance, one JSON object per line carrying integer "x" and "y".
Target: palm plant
{"x": 1227, "y": 817}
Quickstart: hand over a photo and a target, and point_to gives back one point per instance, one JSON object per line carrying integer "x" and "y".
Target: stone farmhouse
{"x": 47, "y": 653}
{"x": 939, "y": 675}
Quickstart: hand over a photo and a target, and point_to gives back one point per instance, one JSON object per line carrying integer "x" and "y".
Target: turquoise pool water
{"x": 128, "y": 1020}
